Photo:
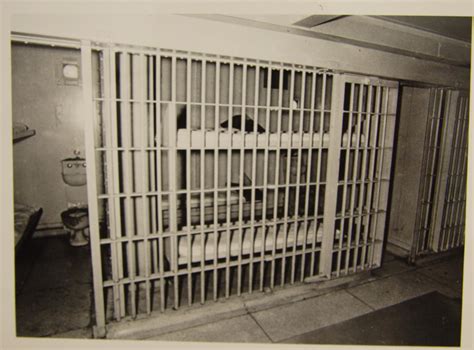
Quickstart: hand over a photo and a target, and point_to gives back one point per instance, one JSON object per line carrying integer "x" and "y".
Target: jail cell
{"x": 365, "y": 152}
{"x": 430, "y": 170}
{"x": 449, "y": 227}
{"x": 221, "y": 176}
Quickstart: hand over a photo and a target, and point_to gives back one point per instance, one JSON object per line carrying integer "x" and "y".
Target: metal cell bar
{"x": 442, "y": 182}
{"x": 334, "y": 151}
{"x": 276, "y": 178}
{"x": 265, "y": 178}
{"x": 419, "y": 234}
{"x": 229, "y": 180}
{"x": 254, "y": 177}
{"x": 355, "y": 170}
{"x": 308, "y": 179}
{"x": 381, "y": 141}
{"x": 202, "y": 168}
{"x": 160, "y": 166}
{"x": 188, "y": 170}
{"x": 105, "y": 70}
{"x": 458, "y": 198}
{"x": 287, "y": 175}
{"x": 116, "y": 175}
{"x": 152, "y": 131}
{"x": 450, "y": 202}
{"x": 461, "y": 175}
{"x": 364, "y": 174}
{"x": 387, "y": 158}
{"x": 318, "y": 166}
{"x": 216, "y": 179}
{"x": 172, "y": 155}
{"x": 434, "y": 170}
{"x": 143, "y": 125}
{"x": 372, "y": 167}
{"x": 345, "y": 188}
{"x": 298, "y": 175}
{"x": 86, "y": 64}
{"x": 125, "y": 89}
{"x": 241, "y": 177}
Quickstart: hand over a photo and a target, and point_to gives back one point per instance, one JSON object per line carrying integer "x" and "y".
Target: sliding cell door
{"x": 360, "y": 159}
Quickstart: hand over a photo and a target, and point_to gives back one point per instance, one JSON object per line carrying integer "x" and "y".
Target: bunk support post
{"x": 334, "y": 154}
{"x": 86, "y": 64}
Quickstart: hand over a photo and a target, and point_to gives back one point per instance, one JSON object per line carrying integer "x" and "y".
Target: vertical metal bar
{"x": 142, "y": 122}
{"x": 265, "y": 180}
{"x": 254, "y": 179}
{"x": 125, "y": 90}
{"x": 373, "y": 145}
{"x": 152, "y": 160}
{"x": 366, "y": 177}
{"x": 345, "y": 183}
{"x": 376, "y": 255}
{"x": 419, "y": 233}
{"x": 450, "y": 203}
{"x": 445, "y": 153}
{"x": 276, "y": 178}
{"x": 433, "y": 171}
{"x": 172, "y": 155}
{"x": 241, "y": 177}
{"x": 160, "y": 166}
{"x": 308, "y": 180}
{"x": 216, "y": 177}
{"x": 318, "y": 167}
{"x": 116, "y": 174}
{"x": 86, "y": 64}
{"x": 459, "y": 195}
{"x": 355, "y": 171}
{"x": 202, "y": 165}
{"x": 287, "y": 175}
{"x": 298, "y": 175}
{"x": 229, "y": 180}
{"x": 188, "y": 179}
{"x": 334, "y": 153}
{"x": 105, "y": 84}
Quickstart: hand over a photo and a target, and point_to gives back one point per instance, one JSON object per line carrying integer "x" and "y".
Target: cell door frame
{"x": 451, "y": 130}
{"x": 389, "y": 112}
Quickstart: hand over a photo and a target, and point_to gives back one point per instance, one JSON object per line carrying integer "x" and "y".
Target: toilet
{"x": 76, "y": 218}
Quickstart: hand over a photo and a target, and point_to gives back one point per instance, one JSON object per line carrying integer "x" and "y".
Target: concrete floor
{"x": 54, "y": 291}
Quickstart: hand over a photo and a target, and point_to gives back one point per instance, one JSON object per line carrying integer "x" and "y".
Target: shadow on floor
{"x": 53, "y": 287}
{"x": 429, "y": 320}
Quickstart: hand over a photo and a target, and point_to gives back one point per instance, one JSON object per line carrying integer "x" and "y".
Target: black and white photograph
{"x": 214, "y": 175}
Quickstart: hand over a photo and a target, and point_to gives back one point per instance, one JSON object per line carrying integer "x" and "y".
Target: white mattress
{"x": 246, "y": 241}
{"x": 22, "y": 217}
{"x": 224, "y": 139}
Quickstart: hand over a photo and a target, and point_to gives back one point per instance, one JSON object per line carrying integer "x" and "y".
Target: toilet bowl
{"x": 77, "y": 221}
{"x": 76, "y": 217}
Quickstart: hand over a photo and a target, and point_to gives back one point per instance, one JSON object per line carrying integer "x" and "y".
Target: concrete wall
{"x": 209, "y": 36}
{"x": 56, "y": 112}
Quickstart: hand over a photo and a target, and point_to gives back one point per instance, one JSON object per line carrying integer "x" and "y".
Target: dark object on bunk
{"x": 237, "y": 124}
{"x": 248, "y": 193}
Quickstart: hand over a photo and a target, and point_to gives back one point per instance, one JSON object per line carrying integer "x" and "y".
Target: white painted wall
{"x": 201, "y": 35}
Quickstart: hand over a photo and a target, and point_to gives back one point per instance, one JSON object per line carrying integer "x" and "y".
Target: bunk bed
{"x": 26, "y": 217}
{"x": 26, "y": 220}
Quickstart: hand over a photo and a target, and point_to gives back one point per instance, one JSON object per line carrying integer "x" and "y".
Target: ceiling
{"x": 451, "y": 27}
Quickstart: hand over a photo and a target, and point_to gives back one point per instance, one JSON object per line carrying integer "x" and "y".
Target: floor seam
{"x": 361, "y": 300}
{"x": 259, "y": 325}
